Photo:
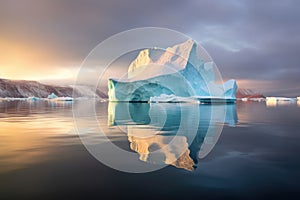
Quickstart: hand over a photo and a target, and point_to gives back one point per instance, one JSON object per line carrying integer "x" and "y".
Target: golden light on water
{"x": 25, "y": 142}
{"x": 271, "y": 102}
{"x": 176, "y": 154}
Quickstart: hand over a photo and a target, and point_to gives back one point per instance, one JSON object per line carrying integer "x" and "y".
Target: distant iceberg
{"x": 280, "y": 99}
{"x": 178, "y": 72}
{"x": 275, "y": 101}
{"x": 52, "y": 96}
{"x": 33, "y": 98}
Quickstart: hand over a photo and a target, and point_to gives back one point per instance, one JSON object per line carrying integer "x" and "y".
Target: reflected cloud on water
{"x": 171, "y": 133}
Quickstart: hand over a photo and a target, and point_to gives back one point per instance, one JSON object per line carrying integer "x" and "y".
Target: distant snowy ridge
{"x": 247, "y": 93}
{"x": 26, "y": 89}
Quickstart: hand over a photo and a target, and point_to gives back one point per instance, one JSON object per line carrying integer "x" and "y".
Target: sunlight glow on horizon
{"x": 22, "y": 61}
{"x": 27, "y": 74}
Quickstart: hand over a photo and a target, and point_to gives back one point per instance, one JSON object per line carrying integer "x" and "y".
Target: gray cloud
{"x": 253, "y": 40}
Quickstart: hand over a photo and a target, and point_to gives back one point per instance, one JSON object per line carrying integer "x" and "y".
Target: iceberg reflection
{"x": 169, "y": 133}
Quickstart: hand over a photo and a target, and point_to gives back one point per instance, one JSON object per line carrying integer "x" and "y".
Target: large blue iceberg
{"x": 179, "y": 74}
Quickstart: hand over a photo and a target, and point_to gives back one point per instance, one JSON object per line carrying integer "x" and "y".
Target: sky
{"x": 255, "y": 42}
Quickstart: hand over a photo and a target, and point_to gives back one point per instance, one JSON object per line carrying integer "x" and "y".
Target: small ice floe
{"x": 258, "y": 99}
{"x": 251, "y": 99}
{"x": 164, "y": 98}
{"x": 13, "y": 99}
{"x": 64, "y": 99}
{"x": 280, "y": 99}
{"x": 33, "y": 98}
{"x": 274, "y": 101}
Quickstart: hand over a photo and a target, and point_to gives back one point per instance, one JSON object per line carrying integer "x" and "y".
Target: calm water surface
{"x": 255, "y": 154}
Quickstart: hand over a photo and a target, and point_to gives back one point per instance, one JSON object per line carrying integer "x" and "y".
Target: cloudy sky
{"x": 255, "y": 42}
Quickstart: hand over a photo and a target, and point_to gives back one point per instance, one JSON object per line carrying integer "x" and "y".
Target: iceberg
{"x": 278, "y": 101}
{"x": 52, "y": 96}
{"x": 33, "y": 98}
{"x": 178, "y": 74}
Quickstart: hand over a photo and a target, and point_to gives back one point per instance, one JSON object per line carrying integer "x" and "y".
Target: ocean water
{"x": 248, "y": 150}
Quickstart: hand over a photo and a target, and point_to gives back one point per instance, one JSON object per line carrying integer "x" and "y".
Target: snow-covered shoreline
{"x": 21, "y": 89}
{"x": 58, "y": 99}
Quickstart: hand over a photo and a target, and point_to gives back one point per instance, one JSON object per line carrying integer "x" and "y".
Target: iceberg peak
{"x": 179, "y": 54}
{"x": 52, "y": 96}
{"x": 175, "y": 58}
{"x": 142, "y": 59}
